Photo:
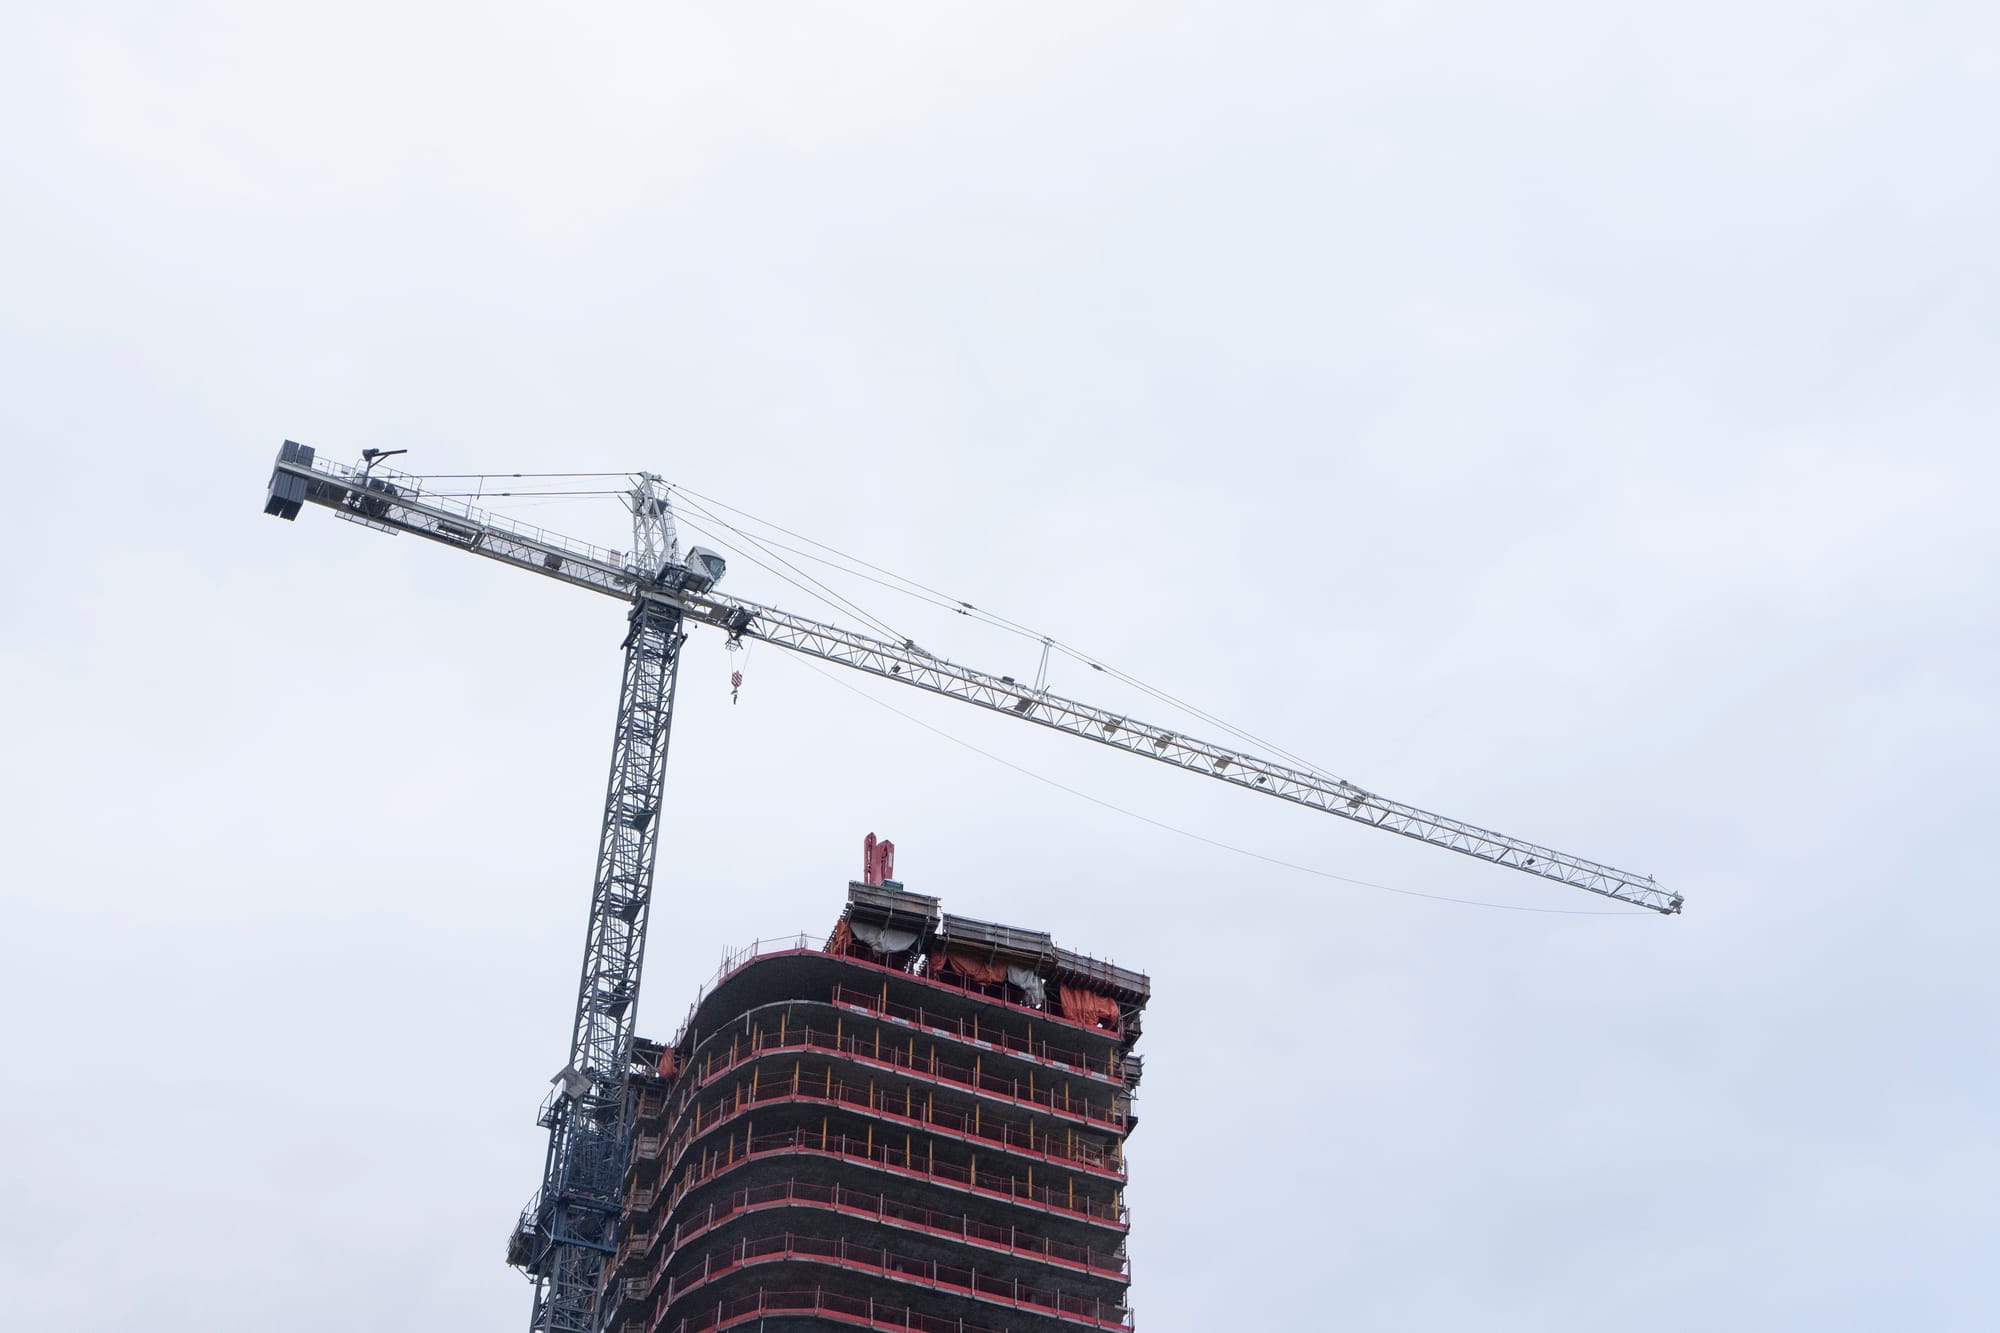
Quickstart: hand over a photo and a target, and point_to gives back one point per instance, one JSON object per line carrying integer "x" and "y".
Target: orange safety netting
{"x": 1088, "y": 1007}
{"x": 843, "y": 938}
{"x": 981, "y": 970}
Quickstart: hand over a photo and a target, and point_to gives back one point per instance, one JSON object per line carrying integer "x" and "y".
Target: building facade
{"x": 917, "y": 1123}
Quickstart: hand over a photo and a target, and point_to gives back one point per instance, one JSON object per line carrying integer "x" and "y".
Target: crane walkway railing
{"x": 373, "y": 494}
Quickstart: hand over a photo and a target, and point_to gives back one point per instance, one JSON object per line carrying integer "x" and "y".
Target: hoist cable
{"x": 1189, "y": 833}
{"x": 939, "y": 597}
{"x": 827, "y": 595}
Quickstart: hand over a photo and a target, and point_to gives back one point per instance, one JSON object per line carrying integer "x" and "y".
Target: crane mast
{"x": 569, "y": 1230}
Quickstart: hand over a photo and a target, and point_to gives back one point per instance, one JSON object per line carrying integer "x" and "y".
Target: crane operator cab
{"x": 704, "y": 568}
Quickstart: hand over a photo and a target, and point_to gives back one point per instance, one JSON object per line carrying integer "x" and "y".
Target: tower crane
{"x": 569, "y": 1229}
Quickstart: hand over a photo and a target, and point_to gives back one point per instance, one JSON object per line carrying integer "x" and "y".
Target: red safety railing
{"x": 974, "y": 1128}
{"x": 905, "y": 1268}
{"x": 989, "y": 991}
{"x": 857, "y": 1311}
{"x": 743, "y": 1049}
{"x": 757, "y": 950}
{"x": 1066, "y": 1200}
{"x": 893, "y": 1213}
{"x": 946, "y": 1025}
{"x": 737, "y": 958}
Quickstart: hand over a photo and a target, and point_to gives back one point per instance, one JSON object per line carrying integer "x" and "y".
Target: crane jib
{"x": 908, "y": 665}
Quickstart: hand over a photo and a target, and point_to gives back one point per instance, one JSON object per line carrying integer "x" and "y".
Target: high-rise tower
{"x": 918, "y": 1122}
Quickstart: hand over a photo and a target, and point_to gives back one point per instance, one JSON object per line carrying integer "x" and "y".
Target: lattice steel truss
{"x": 570, "y": 1230}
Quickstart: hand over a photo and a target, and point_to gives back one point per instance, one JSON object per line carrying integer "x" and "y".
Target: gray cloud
{"x": 1571, "y": 419}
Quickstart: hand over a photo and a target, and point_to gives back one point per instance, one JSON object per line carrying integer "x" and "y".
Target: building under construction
{"x": 918, "y": 1122}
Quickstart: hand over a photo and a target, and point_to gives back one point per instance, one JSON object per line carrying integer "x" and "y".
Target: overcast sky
{"x": 1575, "y": 418}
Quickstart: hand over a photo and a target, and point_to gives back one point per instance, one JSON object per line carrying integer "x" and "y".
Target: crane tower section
{"x": 569, "y": 1231}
